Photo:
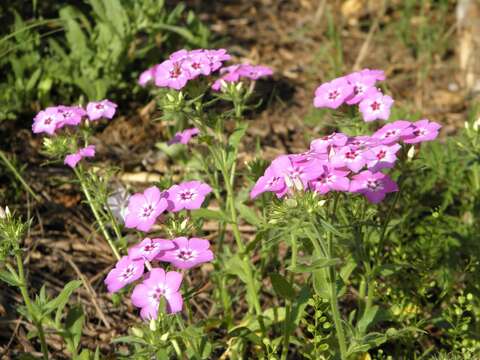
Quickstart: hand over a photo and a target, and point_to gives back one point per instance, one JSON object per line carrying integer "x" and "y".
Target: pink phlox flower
{"x": 187, "y": 253}
{"x": 423, "y": 130}
{"x": 72, "y": 115}
{"x": 374, "y": 186}
{"x": 73, "y": 159}
{"x": 125, "y": 272}
{"x": 101, "y": 109}
{"x": 179, "y": 55}
{"x": 148, "y": 249}
{"x": 378, "y": 75}
{"x": 331, "y": 179}
{"x": 158, "y": 284}
{"x": 383, "y": 156}
{"x": 235, "y": 72}
{"x": 308, "y": 157}
{"x": 47, "y": 121}
{"x": 216, "y": 58}
{"x": 361, "y": 82}
{"x": 350, "y": 157}
{"x": 144, "y": 209}
{"x": 183, "y": 137}
{"x": 197, "y": 63}
{"x": 363, "y": 142}
{"x": 270, "y": 182}
{"x": 188, "y": 195}
{"x": 171, "y": 74}
{"x": 297, "y": 175}
{"x": 332, "y": 94}
{"x": 375, "y": 105}
{"x": 394, "y": 132}
{"x": 147, "y": 76}
{"x": 322, "y": 145}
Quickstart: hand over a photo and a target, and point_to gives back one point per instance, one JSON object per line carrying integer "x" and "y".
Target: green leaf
{"x": 282, "y": 287}
{"x": 209, "y": 214}
{"x": 61, "y": 300}
{"x": 367, "y": 319}
{"x": 347, "y": 270}
{"x": 237, "y": 135}
{"x": 248, "y": 214}
{"x": 73, "y": 328}
{"x": 10, "y": 278}
{"x": 314, "y": 266}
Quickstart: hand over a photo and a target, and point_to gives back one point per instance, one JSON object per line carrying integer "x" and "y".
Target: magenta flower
{"x": 322, "y": 145}
{"x": 374, "y": 186}
{"x": 378, "y": 75}
{"x": 188, "y": 253}
{"x": 423, "y": 130}
{"x": 216, "y": 58}
{"x": 125, "y": 272}
{"x": 144, "y": 209}
{"x": 101, "y": 109}
{"x": 393, "y": 132}
{"x": 148, "y": 249}
{"x": 72, "y": 115}
{"x": 332, "y": 94}
{"x": 295, "y": 174}
{"x": 47, "y": 121}
{"x": 351, "y": 158}
{"x": 236, "y": 72}
{"x": 270, "y": 182}
{"x": 361, "y": 82}
{"x": 158, "y": 284}
{"x": 183, "y": 137}
{"x": 171, "y": 74}
{"x": 383, "y": 156}
{"x": 73, "y": 159}
{"x": 331, "y": 179}
{"x": 147, "y": 76}
{"x": 197, "y": 63}
{"x": 375, "y": 106}
{"x": 363, "y": 142}
{"x": 188, "y": 195}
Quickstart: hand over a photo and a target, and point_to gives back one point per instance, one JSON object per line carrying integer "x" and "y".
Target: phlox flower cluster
{"x": 183, "y": 66}
{"x": 357, "y": 88}
{"x": 338, "y": 162}
{"x": 54, "y": 118}
{"x": 142, "y": 211}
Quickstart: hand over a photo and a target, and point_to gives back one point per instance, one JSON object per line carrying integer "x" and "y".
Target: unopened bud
{"x": 298, "y": 184}
{"x": 476, "y": 124}
{"x": 137, "y": 332}
{"x": 153, "y": 325}
{"x": 2, "y": 213}
{"x": 288, "y": 181}
{"x": 411, "y": 153}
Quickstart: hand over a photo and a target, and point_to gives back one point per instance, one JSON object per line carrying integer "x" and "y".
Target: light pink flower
{"x": 270, "y": 182}
{"x": 147, "y": 76}
{"x": 351, "y": 158}
{"x": 171, "y": 74}
{"x": 236, "y": 72}
{"x": 183, "y": 137}
{"x": 216, "y": 58}
{"x": 374, "y": 186}
{"x": 187, "y": 253}
{"x": 73, "y": 159}
{"x": 331, "y": 179}
{"x": 375, "y": 106}
{"x": 158, "y": 284}
{"x": 332, "y": 94}
{"x": 188, "y": 195}
{"x": 101, "y": 109}
{"x": 197, "y": 63}
{"x": 72, "y": 115}
{"x": 361, "y": 82}
{"x": 148, "y": 249}
{"x": 383, "y": 156}
{"x": 144, "y": 209}
{"x": 125, "y": 272}
{"x": 47, "y": 121}
{"x": 394, "y": 132}
{"x": 423, "y": 130}
{"x": 322, "y": 145}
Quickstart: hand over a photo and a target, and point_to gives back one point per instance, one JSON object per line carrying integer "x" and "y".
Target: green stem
{"x": 251, "y": 287}
{"x": 286, "y": 328}
{"x": 96, "y": 213}
{"x": 28, "y": 304}
{"x": 19, "y": 177}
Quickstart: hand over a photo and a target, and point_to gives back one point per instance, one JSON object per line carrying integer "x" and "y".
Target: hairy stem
{"x": 28, "y": 304}
{"x": 95, "y": 212}
{"x": 17, "y": 174}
